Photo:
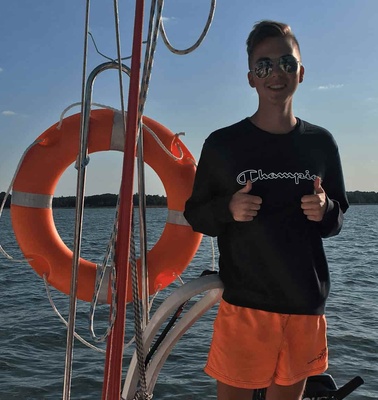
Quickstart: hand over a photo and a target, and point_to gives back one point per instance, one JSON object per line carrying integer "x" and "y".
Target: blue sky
{"x": 41, "y": 71}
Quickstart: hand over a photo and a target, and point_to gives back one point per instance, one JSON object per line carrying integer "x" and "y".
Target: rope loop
{"x": 200, "y": 39}
{"x": 77, "y": 336}
{"x": 161, "y": 144}
{"x": 110, "y": 250}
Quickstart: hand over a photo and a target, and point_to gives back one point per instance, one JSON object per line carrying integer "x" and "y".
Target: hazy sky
{"x": 41, "y": 71}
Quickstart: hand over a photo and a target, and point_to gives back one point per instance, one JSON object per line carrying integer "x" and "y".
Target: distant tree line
{"x": 98, "y": 200}
{"x": 358, "y": 197}
{"x": 110, "y": 200}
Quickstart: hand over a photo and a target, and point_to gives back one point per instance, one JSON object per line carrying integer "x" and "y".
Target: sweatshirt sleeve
{"x": 207, "y": 210}
{"x": 337, "y": 201}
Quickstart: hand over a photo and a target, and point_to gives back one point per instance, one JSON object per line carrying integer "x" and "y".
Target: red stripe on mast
{"x": 114, "y": 350}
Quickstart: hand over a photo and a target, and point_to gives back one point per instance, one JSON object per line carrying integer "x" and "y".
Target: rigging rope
{"x": 137, "y": 316}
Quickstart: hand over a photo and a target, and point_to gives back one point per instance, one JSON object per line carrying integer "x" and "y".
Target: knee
{"x": 291, "y": 392}
{"x": 227, "y": 392}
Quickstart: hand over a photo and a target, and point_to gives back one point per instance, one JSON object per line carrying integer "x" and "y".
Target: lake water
{"x": 33, "y": 339}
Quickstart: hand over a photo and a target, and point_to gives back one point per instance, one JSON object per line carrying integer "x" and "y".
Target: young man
{"x": 270, "y": 187}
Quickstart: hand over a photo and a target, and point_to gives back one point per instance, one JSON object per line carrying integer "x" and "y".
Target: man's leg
{"x": 226, "y": 392}
{"x": 292, "y": 392}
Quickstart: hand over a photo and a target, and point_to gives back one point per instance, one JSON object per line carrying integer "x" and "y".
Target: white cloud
{"x": 331, "y": 86}
{"x": 168, "y": 19}
{"x": 8, "y": 113}
{"x": 1, "y": 70}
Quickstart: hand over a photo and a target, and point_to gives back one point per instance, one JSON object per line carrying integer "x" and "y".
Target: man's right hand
{"x": 244, "y": 206}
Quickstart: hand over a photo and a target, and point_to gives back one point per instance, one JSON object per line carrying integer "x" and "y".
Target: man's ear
{"x": 251, "y": 79}
{"x": 301, "y": 73}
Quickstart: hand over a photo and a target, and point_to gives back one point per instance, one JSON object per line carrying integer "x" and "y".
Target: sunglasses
{"x": 263, "y": 68}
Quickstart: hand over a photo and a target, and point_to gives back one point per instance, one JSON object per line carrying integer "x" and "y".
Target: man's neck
{"x": 274, "y": 121}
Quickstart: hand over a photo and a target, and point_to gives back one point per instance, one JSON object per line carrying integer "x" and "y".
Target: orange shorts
{"x": 253, "y": 348}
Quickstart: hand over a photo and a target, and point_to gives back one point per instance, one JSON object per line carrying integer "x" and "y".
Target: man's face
{"x": 273, "y": 61}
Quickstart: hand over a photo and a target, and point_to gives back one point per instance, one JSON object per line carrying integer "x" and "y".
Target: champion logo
{"x": 254, "y": 175}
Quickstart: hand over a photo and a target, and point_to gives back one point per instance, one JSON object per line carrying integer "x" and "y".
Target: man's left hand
{"x": 314, "y": 205}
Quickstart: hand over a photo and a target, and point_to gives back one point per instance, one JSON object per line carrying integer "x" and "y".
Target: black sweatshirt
{"x": 275, "y": 262}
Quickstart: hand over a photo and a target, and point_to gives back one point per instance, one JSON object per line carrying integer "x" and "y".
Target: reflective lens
{"x": 263, "y": 68}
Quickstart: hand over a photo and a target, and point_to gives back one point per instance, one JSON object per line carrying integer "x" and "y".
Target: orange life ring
{"x": 38, "y": 175}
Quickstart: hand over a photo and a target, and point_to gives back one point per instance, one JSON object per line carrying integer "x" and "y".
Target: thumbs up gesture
{"x": 244, "y": 206}
{"x": 314, "y": 205}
